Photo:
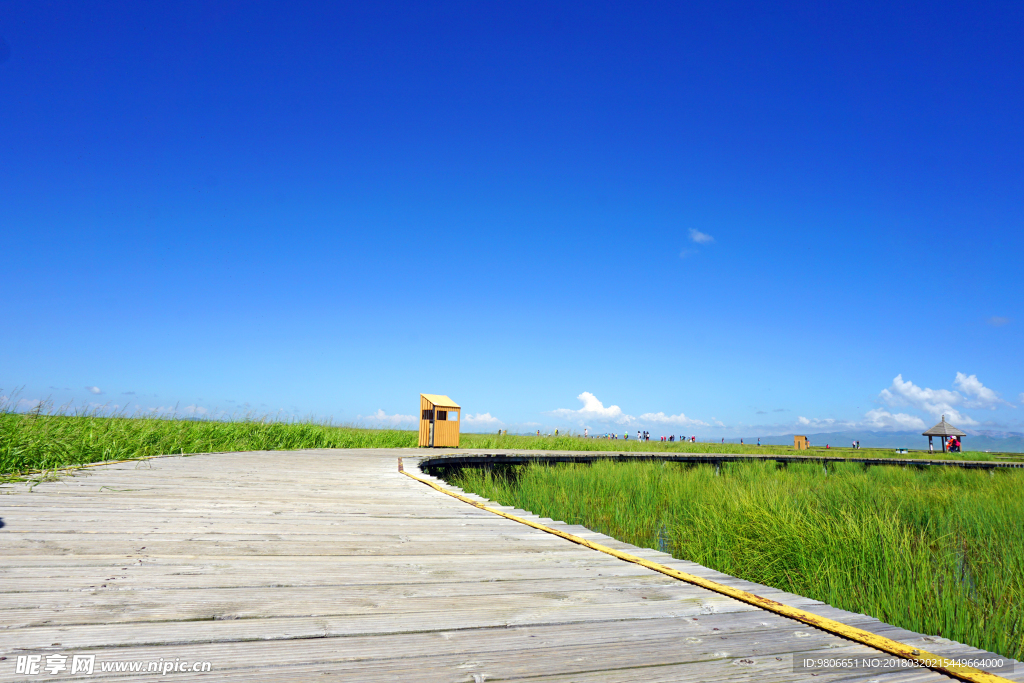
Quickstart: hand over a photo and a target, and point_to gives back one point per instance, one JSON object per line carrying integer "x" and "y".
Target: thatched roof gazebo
{"x": 944, "y": 430}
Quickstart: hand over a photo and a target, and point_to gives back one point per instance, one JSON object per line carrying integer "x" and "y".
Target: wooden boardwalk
{"x": 332, "y": 566}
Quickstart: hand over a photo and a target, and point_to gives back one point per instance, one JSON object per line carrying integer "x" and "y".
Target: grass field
{"x": 938, "y": 551}
{"x": 44, "y": 440}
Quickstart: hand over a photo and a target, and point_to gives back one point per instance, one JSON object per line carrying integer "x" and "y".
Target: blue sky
{"x": 723, "y": 219}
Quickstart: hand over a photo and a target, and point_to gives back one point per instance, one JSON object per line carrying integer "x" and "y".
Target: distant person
{"x": 858, "y": 444}
{"x": 758, "y": 441}
{"x": 538, "y": 432}
{"x": 741, "y": 442}
{"x": 827, "y": 446}
{"x": 693, "y": 439}
{"x": 723, "y": 440}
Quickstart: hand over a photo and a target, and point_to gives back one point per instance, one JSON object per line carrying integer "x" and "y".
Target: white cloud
{"x": 195, "y": 410}
{"x": 593, "y": 409}
{"x": 383, "y": 418}
{"x": 938, "y": 402}
{"x": 28, "y": 403}
{"x": 998, "y": 321}
{"x": 822, "y": 422}
{"x": 662, "y": 418}
{"x": 480, "y": 419}
{"x": 879, "y": 418}
{"x": 700, "y": 237}
{"x": 93, "y": 390}
{"x": 935, "y": 402}
{"x": 979, "y": 395}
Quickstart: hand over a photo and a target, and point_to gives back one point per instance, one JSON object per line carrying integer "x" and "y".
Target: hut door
{"x": 430, "y": 438}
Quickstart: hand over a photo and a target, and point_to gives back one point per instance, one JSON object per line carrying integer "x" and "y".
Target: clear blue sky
{"x": 749, "y": 218}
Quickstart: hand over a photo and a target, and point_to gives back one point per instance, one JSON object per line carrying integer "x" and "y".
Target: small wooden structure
{"x": 801, "y": 443}
{"x": 943, "y": 430}
{"x": 439, "y": 421}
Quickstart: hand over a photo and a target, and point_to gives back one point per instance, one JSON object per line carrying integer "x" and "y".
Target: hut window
{"x": 442, "y": 415}
{"x": 428, "y": 414}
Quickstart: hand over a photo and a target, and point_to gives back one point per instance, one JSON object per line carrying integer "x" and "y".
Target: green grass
{"x": 938, "y": 551}
{"x": 46, "y": 440}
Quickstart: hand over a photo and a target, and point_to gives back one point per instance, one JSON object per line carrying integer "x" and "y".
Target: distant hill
{"x": 1006, "y": 442}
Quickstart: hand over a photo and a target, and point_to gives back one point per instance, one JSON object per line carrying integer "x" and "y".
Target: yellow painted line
{"x": 924, "y": 658}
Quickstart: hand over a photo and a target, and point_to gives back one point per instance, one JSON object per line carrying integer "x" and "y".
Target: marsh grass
{"x": 37, "y": 441}
{"x": 937, "y": 550}
{"x": 47, "y": 438}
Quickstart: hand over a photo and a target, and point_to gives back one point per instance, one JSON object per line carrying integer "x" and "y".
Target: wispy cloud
{"x": 997, "y": 321}
{"x": 879, "y": 418}
{"x": 700, "y": 237}
{"x": 822, "y": 422}
{"x": 380, "y": 417}
{"x": 679, "y": 420}
{"x": 481, "y": 420}
{"x": 93, "y": 390}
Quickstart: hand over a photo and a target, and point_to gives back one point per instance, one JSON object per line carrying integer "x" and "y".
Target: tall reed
{"x": 938, "y": 551}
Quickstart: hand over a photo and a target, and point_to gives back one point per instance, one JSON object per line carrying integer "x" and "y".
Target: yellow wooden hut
{"x": 439, "y": 421}
{"x": 801, "y": 443}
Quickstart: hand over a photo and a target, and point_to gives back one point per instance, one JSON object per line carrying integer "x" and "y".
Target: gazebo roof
{"x": 944, "y": 429}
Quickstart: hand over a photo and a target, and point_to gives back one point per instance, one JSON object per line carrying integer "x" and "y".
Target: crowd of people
{"x": 641, "y": 435}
